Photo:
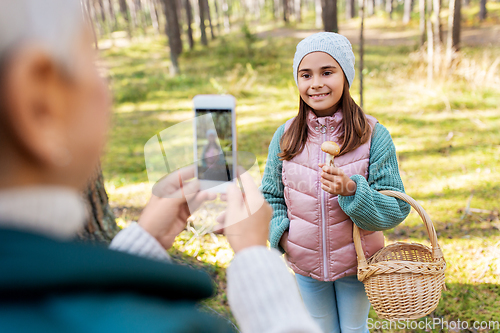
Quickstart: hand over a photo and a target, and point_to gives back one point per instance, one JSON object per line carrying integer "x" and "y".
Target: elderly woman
{"x": 54, "y": 110}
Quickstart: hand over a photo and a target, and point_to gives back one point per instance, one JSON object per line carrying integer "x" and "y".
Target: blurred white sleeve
{"x": 264, "y": 296}
{"x": 137, "y": 241}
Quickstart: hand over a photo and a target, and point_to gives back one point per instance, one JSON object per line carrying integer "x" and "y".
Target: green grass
{"x": 446, "y": 135}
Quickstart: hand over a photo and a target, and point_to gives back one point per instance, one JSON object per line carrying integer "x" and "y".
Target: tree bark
{"x": 154, "y": 18}
{"x": 112, "y": 13}
{"x": 422, "y": 22}
{"x": 438, "y": 27}
{"x": 94, "y": 16}
{"x": 133, "y": 15}
{"x": 453, "y": 43}
{"x": 285, "y": 11}
{"x": 319, "y": 13}
{"x": 430, "y": 43}
{"x": 482, "y": 10}
{"x": 225, "y": 10}
{"x": 189, "y": 19}
{"x": 101, "y": 10}
{"x": 407, "y": 11}
{"x": 217, "y": 17}
{"x": 350, "y": 9}
{"x": 174, "y": 34}
{"x": 457, "y": 25}
{"x": 370, "y": 7}
{"x": 361, "y": 50}
{"x": 207, "y": 11}
{"x": 201, "y": 5}
{"x": 388, "y": 8}
{"x": 101, "y": 226}
{"x": 330, "y": 20}
{"x": 298, "y": 10}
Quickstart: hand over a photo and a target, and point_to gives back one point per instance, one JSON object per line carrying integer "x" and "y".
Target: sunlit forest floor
{"x": 446, "y": 134}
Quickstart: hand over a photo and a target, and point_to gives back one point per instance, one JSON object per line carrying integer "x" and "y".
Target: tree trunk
{"x": 189, "y": 19}
{"x": 482, "y": 10}
{"x": 370, "y": 7}
{"x": 112, "y": 13}
{"x": 101, "y": 226}
{"x": 407, "y": 11}
{"x": 422, "y": 22}
{"x": 388, "y": 8}
{"x": 225, "y": 10}
{"x": 201, "y": 5}
{"x": 298, "y": 10}
{"x": 207, "y": 9}
{"x": 277, "y": 6}
{"x": 95, "y": 18}
{"x": 133, "y": 14}
{"x": 319, "y": 13}
{"x": 438, "y": 27}
{"x": 361, "y": 50}
{"x": 154, "y": 18}
{"x": 101, "y": 10}
{"x": 453, "y": 38}
{"x": 124, "y": 12}
{"x": 349, "y": 9}
{"x": 174, "y": 34}
{"x": 430, "y": 43}
{"x": 285, "y": 11}
{"x": 330, "y": 21}
{"x": 457, "y": 25}
{"x": 217, "y": 17}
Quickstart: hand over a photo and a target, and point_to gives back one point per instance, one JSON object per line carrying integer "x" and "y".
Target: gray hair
{"x": 55, "y": 25}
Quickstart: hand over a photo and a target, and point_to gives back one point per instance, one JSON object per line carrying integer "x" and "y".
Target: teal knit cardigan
{"x": 369, "y": 209}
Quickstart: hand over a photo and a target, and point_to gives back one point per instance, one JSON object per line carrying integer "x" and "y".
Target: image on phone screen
{"x": 214, "y": 139}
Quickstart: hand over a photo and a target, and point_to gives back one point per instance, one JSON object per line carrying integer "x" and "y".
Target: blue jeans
{"x": 338, "y": 306}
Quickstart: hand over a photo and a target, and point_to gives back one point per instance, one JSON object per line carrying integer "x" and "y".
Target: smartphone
{"x": 215, "y": 141}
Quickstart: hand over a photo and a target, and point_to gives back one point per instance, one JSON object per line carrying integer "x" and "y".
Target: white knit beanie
{"x": 334, "y": 44}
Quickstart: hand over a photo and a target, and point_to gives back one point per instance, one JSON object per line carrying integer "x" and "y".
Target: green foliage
{"x": 446, "y": 135}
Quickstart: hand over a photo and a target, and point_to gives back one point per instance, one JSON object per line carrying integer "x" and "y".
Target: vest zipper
{"x": 325, "y": 266}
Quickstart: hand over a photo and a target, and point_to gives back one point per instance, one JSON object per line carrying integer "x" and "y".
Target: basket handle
{"x": 436, "y": 250}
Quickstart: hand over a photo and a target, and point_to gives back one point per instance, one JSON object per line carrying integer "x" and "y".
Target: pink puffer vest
{"x": 320, "y": 241}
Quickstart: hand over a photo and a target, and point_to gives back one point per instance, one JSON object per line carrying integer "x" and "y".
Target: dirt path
{"x": 486, "y": 36}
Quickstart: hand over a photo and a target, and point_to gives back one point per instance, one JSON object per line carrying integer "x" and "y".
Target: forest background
{"x": 437, "y": 92}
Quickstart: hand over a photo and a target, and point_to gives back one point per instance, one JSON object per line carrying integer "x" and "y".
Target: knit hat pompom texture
{"x": 331, "y": 43}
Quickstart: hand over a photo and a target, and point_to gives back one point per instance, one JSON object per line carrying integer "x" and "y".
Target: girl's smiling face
{"x": 321, "y": 83}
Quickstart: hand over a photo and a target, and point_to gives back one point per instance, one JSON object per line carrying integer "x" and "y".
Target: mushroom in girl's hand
{"x": 331, "y": 149}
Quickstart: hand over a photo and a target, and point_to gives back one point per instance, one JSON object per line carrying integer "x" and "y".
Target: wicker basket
{"x": 403, "y": 280}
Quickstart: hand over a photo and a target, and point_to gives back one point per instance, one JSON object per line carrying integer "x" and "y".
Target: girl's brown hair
{"x": 356, "y": 128}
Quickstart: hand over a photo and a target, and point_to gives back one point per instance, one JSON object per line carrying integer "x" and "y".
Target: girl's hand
{"x": 335, "y": 181}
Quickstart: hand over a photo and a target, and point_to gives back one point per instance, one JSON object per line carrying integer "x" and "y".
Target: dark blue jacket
{"x": 52, "y": 286}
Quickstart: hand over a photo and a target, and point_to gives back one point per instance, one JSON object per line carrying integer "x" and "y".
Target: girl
{"x": 315, "y": 204}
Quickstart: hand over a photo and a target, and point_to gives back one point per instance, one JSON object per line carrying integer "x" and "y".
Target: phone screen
{"x": 214, "y": 138}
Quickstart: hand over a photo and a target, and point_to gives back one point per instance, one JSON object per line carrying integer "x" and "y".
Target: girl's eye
{"x": 306, "y": 76}
{"x": 327, "y": 73}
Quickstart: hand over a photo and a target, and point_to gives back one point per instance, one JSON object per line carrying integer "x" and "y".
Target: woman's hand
{"x": 172, "y": 202}
{"x": 335, "y": 181}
